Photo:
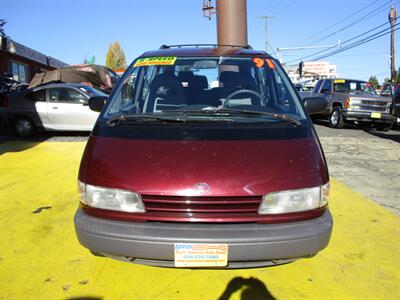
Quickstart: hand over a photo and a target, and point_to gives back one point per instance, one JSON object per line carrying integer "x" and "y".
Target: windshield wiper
{"x": 176, "y": 117}
{"x": 121, "y": 118}
{"x": 290, "y": 120}
{"x": 224, "y": 111}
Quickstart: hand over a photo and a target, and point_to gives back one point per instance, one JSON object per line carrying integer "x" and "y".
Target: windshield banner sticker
{"x": 155, "y": 61}
{"x": 339, "y": 81}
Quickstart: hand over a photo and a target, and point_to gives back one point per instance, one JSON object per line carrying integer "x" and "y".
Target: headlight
{"x": 294, "y": 200}
{"x": 112, "y": 199}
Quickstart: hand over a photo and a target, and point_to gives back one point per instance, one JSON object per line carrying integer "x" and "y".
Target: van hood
{"x": 203, "y": 168}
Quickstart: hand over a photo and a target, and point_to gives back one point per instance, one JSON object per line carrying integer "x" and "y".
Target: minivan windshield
{"x": 206, "y": 87}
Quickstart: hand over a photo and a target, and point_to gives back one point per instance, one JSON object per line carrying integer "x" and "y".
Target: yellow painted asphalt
{"x": 40, "y": 257}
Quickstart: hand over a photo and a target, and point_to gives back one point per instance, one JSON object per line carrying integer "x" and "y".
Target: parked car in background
{"x": 396, "y": 102}
{"x": 50, "y": 107}
{"x": 353, "y": 101}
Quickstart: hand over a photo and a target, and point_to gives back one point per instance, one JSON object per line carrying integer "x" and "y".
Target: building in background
{"x": 22, "y": 62}
{"x": 312, "y": 72}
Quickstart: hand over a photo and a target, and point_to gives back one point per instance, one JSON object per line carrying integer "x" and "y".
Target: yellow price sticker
{"x": 339, "y": 81}
{"x": 156, "y": 61}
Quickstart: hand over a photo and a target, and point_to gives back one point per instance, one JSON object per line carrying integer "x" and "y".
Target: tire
{"x": 24, "y": 126}
{"x": 383, "y": 127}
{"x": 336, "y": 118}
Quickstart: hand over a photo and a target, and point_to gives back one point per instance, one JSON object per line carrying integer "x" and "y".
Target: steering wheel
{"x": 235, "y": 93}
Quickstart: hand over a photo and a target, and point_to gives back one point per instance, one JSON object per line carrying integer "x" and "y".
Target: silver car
{"x": 50, "y": 107}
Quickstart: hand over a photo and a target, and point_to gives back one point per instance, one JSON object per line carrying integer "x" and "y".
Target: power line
{"x": 353, "y": 45}
{"x": 259, "y": 31}
{"x": 278, "y": 3}
{"x": 359, "y": 43}
{"x": 346, "y": 41}
{"x": 286, "y": 7}
{"x": 363, "y": 18}
{"x": 254, "y": 19}
{"x": 337, "y": 23}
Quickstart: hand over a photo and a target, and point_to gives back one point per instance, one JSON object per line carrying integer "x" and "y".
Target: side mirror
{"x": 97, "y": 103}
{"x": 315, "y": 105}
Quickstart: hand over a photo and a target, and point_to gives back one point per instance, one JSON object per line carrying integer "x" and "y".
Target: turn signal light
{"x": 347, "y": 103}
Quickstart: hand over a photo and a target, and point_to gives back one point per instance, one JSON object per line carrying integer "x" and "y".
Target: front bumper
{"x": 366, "y": 117}
{"x": 250, "y": 244}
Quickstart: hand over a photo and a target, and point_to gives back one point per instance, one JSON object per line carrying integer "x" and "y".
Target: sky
{"x": 72, "y": 30}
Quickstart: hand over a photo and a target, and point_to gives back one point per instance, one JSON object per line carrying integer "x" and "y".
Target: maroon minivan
{"x": 204, "y": 157}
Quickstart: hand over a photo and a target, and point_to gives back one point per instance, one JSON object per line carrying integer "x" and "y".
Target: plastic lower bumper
{"x": 250, "y": 245}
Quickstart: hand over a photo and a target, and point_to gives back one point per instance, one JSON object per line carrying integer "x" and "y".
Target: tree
{"x": 115, "y": 58}
{"x": 373, "y": 81}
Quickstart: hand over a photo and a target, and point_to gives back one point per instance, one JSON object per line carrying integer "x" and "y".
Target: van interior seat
{"x": 194, "y": 86}
{"x": 166, "y": 91}
{"x": 234, "y": 81}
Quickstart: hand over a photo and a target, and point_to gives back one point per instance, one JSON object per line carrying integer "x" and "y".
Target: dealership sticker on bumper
{"x": 200, "y": 255}
{"x": 376, "y": 115}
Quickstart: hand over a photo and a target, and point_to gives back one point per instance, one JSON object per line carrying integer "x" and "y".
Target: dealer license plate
{"x": 200, "y": 255}
{"x": 376, "y": 115}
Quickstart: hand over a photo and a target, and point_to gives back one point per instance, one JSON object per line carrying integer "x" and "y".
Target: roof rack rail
{"x": 204, "y": 45}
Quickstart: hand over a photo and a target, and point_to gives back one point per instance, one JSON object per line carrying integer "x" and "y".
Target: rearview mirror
{"x": 97, "y": 103}
{"x": 315, "y": 105}
{"x": 205, "y": 64}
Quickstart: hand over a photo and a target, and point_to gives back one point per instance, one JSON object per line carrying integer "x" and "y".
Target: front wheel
{"x": 24, "y": 127}
{"x": 383, "y": 127}
{"x": 336, "y": 118}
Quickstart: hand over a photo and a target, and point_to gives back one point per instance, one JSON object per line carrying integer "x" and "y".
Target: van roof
{"x": 203, "y": 51}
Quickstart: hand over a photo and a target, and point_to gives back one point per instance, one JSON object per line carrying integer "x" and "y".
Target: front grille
{"x": 374, "y": 105}
{"x": 203, "y": 210}
{"x": 201, "y": 205}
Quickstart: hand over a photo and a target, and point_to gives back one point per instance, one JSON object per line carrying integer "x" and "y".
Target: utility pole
{"x": 392, "y": 19}
{"x": 266, "y": 29}
{"x": 208, "y": 9}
